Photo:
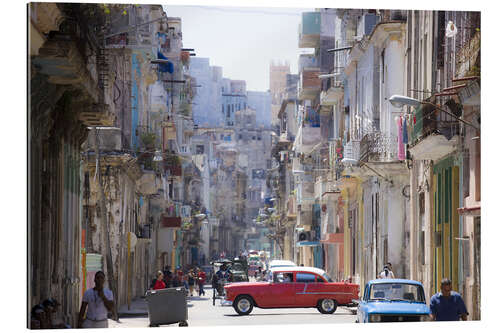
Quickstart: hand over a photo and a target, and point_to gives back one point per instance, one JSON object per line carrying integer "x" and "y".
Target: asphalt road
{"x": 201, "y": 312}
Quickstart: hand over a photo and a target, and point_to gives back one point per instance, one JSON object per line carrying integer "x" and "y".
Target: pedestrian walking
{"x": 184, "y": 278}
{"x": 190, "y": 280}
{"x": 176, "y": 282}
{"x": 167, "y": 277}
{"x": 447, "y": 305}
{"x": 386, "y": 272}
{"x": 96, "y": 304}
{"x": 159, "y": 284}
{"x": 202, "y": 278}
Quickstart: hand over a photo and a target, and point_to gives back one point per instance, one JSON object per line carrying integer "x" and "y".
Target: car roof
{"x": 378, "y": 281}
{"x": 281, "y": 262}
{"x": 316, "y": 270}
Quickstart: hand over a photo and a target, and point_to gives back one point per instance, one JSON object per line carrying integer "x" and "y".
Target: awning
{"x": 168, "y": 67}
{"x": 469, "y": 211}
{"x": 308, "y": 243}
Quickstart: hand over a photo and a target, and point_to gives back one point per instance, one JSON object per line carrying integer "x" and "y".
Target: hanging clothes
{"x": 401, "y": 146}
{"x": 405, "y": 131}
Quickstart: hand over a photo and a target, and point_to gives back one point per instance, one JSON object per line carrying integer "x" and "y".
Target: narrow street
{"x": 321, "y": 150}
{"x": 201, "y": 312}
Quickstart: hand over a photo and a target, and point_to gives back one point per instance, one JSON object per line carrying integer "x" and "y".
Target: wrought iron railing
{"x": 378, "y": 147}
{"x": 429, "y": 120}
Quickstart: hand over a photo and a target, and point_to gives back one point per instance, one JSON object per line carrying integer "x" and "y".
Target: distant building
{"x": 277, "y": 84}
{"x": 261, "y": 103}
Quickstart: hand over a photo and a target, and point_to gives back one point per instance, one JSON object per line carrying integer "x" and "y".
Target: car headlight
{"x": 375, "y": 318}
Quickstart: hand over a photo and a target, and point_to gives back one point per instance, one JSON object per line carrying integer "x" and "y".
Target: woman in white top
{"x": 96, "y": 302}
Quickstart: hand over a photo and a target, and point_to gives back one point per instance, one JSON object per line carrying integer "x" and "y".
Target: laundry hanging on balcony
{"x": 405, "y": 130}
{"x": 164, "y": 68}
{"x": 401, "y": 146}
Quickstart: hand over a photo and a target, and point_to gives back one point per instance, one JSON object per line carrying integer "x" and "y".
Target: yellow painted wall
{"x": 347, "y": 234}
{"x": 455, "y": 224}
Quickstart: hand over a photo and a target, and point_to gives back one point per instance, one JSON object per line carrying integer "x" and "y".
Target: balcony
{"x": 434, "y": 135}
{"x": 310, "y": 30}
{"x": 351, "y": 152}
{"x": 184, "y": 150}
{"x": 467, "y": 60}
{"x": 333, "y": 94}
{"x": 378, "y": 147}
{"x": 309, "y": 84}
{"x": 171, "y": 222}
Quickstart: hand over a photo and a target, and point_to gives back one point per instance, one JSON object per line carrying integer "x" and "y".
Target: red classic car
{"x": 292, "y": 287}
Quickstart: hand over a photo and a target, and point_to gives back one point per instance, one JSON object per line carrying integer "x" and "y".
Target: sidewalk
{"x": 138, "y": 307}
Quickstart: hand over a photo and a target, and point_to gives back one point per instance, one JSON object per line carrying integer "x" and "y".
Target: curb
{"x": 132, "y": 314}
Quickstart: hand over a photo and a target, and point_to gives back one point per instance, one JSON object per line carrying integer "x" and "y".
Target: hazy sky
{"x": 243, "y": 41}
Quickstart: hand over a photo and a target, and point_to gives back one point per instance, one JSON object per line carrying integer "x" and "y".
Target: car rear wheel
{"x": 327, "y": 306}
{"x": 243, "y": 305}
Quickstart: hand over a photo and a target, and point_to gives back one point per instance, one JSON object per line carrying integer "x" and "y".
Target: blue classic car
{"x": 393, "y": 300}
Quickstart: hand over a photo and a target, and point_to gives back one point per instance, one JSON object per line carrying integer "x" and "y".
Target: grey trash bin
{"x": 167, "y": 306}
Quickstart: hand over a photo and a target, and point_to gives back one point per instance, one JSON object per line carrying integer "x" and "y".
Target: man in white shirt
{"x": 97, "y": 302}
{"x": 386, "y": 273}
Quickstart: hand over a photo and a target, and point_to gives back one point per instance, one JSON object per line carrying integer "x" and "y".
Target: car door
{"x": 361, "y": 313}
{"x": 281, "y": 292}
{"x": 303, "y": 295}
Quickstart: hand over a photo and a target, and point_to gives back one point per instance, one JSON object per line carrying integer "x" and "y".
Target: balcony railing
{"x": 466, "y": 61}
{"x": 333, "y": 93}
{"x": 378, "y": 147}
{"x": 428, "y": 121}
{"x": 351, "y": 152}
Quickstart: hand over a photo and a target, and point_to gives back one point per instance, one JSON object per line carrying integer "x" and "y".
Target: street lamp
{"x": 399, "y": 101}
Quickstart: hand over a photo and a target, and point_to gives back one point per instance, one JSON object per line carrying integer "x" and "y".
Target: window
{"x": 305, "y": 277}
{"x": 283, "y": 277}
{"x": 397, "y": 291}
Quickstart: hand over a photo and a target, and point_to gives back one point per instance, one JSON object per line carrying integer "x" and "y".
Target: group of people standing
{"x": 191, "y": 279}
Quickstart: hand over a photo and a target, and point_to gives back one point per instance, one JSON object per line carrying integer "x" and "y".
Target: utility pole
{"x": 105, "y": 225}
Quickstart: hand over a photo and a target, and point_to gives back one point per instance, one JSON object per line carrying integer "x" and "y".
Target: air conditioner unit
{"x": 304, "y": 236}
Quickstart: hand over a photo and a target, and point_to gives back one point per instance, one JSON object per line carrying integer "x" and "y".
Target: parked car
{"x": 393, "y": 300}
{"x": 292, "y": 287}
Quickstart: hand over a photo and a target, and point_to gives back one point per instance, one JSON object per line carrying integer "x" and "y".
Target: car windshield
{"x": 237, "y": 267}
{"x": 396, "y": 292}
{"x": 327, "y": 277}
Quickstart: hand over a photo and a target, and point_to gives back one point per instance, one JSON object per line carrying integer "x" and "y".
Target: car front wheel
{"x": 327, "y": 306}
{"x": 243, "y": 305}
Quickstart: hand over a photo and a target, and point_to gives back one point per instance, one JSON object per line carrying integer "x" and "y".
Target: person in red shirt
{"x": 159, "y": 284}
{"x": 202, "y": 277}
